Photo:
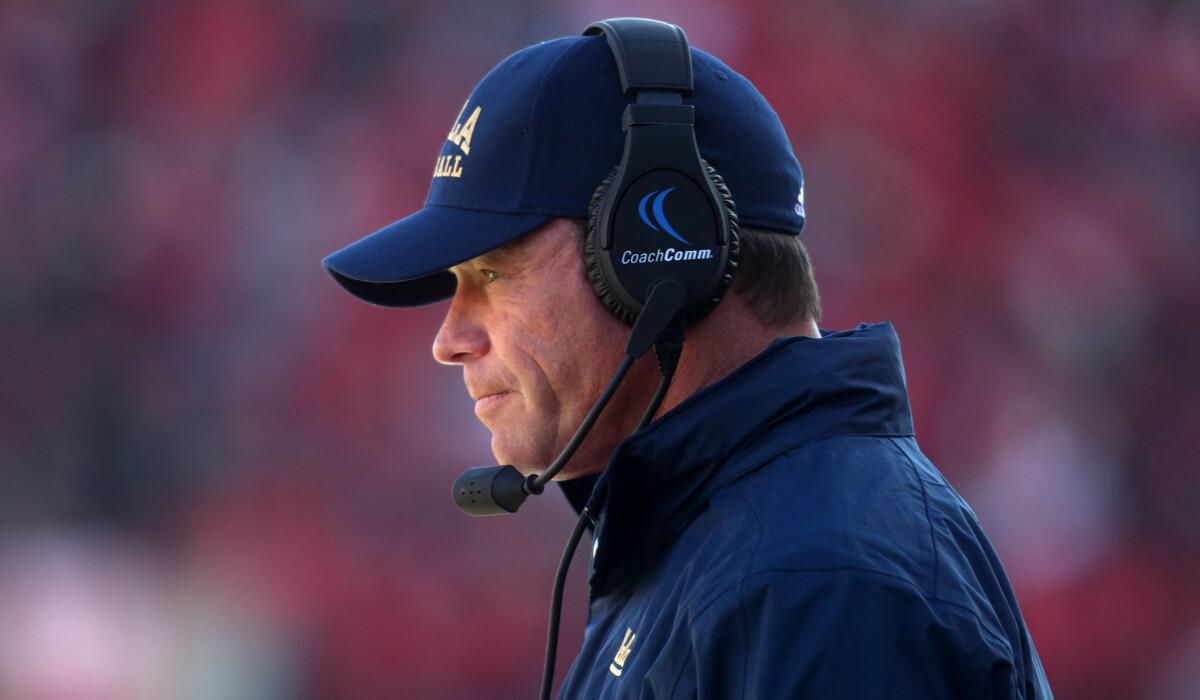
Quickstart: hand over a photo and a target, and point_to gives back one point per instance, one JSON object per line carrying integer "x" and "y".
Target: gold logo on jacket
{"x": 451, "y": 165}
{"x": 617, "y": 666}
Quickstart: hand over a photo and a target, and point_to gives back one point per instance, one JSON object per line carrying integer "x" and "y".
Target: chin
{"x": 523, "y": 457}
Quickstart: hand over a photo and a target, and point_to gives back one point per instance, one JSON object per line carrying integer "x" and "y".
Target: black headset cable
{"x": 564, "y": 564}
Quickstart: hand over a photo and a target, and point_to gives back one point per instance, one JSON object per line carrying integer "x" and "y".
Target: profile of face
{"x": 537, "y": 348}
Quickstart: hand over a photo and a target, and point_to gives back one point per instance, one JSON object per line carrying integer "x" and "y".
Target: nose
{"x": 462, "y": 336}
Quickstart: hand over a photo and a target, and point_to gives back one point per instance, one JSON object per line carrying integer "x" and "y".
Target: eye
{"x": 490, "y": 275}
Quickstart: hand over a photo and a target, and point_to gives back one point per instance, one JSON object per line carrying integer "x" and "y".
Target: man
{"x": 775, "y": 532}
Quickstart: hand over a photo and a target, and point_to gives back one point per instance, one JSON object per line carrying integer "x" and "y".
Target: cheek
{"x": 532, "y": 359}
{"x": 556, "y": 389}
{"x": 563, "y": 346}
{"x": 589, "y": 353}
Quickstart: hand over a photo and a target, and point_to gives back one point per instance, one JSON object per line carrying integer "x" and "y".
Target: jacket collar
{"x": 797, "y": 390}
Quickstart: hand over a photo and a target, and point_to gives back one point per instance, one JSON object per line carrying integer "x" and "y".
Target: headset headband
{"x": 651, "y": 55}
{"x": 636, "y": 236}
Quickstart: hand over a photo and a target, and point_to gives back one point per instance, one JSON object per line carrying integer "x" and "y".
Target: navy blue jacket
{"x": 780, "y": 535}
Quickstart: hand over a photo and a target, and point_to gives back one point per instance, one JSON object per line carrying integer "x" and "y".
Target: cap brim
{"x": 405, "y": 263}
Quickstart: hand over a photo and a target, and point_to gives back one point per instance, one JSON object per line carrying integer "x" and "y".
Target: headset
{"x": 660, "y": 251}
{"x": 631, "y": 242}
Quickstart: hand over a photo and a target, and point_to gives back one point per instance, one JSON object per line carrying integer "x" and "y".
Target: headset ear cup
{"x": 726, "y": 280}
{"x": 591, "y": 262}
{"x": 601, "y": 284}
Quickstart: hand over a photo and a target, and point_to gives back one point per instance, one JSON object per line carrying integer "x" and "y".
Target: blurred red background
{"x": 222, "y": 477}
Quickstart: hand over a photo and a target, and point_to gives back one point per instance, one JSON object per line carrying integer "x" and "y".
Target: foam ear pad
{"x": 591, "y": 264}
{"x": 603, "y": 286}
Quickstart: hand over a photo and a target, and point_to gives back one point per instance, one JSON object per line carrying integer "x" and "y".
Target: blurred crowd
{"x": 221, "y": 477}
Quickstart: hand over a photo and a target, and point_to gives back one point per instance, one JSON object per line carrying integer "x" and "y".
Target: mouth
{"x": 490, "y": 402}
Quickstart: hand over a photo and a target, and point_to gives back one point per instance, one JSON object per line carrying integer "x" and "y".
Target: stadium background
{"x": 221, "y": 477}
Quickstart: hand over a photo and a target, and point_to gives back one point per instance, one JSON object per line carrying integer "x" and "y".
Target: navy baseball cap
{"x": 532, "y": 143}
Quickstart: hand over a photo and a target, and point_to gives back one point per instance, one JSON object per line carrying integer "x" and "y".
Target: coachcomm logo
{"x": 661, "y": 225}
{"x": 657, "y": 208}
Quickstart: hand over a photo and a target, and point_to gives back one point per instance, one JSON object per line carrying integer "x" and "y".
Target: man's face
{"x": 537, "y": 349}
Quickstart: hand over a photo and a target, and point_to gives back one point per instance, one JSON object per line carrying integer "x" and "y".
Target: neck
{"x": 714, "y": 348}
{"x": 721, "y": 343}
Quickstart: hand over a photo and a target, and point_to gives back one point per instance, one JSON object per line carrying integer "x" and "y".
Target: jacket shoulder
{"x": 840, "y": 503}
{"x": 858, "y": 523}
{"x": 862, "y": 503}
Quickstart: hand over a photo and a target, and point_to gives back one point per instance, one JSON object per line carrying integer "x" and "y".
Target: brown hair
{"x": 775, "y": 278}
